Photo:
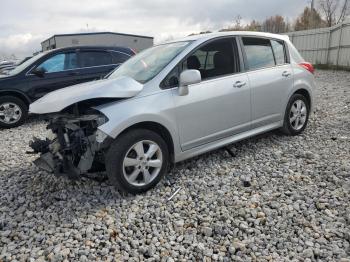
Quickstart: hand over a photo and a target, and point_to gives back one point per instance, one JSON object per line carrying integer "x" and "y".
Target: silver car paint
{"x": 198, "y": 124}
{"x": 213, "y": 109}
{"x": 269, "y": 88}
{"x": 107, "y": 88}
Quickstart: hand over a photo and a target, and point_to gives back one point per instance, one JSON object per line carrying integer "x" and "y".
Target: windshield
{"x": 147, "y": 64}
{"x": 25, "y": 64}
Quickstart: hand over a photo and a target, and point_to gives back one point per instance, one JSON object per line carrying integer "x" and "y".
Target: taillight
{"x": 308, "y": 66}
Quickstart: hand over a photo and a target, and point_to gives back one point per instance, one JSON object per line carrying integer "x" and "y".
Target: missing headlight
{"x": 73, "y": 145}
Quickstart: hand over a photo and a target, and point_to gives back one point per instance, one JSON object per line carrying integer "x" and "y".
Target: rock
{"x": 309, "y": 155}
{"x": 208, "y": 252}
{"x": 320, "y": 206}
{"x": 207, "y": 231}
{"x": 307, "y": 253}
{"x": 260, "y": 215}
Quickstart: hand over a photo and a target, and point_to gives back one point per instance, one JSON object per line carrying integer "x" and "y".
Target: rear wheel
{"x": 296, "y": 115}
{"x": 137, "y": 160}
{"x": 13, "y": 111}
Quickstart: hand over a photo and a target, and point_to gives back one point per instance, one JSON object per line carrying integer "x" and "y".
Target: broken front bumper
{"x": 73, "y": 148}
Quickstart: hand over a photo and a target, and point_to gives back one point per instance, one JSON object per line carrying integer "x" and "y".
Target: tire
{"x": 16, "y": 116}
{"x": 300, "y": 114}
{"x": 128, "y": 165}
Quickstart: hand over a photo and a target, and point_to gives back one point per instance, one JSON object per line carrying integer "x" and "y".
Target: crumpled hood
{"x": 56, "y": 101}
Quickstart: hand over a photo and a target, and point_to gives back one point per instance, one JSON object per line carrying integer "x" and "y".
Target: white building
{"x": 136, "y": 42}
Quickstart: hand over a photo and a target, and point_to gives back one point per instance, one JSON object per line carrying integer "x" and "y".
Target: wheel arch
{"x": 17, "y": 94}
{"x": 157, "y": 128}
{"x": 304, "y": 92}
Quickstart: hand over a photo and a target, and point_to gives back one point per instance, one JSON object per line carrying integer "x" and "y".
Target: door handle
{"x": 286, "y": 74}
{"x": 239, "y": 84}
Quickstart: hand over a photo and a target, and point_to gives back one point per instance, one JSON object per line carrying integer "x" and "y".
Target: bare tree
{"x": 344, "y": 12}
{"x": 275, "y": 24}
{"x": 334, "y": 11}
{"x": 237, "y": 25}
{"x": 309, "y": 19}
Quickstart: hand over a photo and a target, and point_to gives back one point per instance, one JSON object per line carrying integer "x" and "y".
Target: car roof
{"x": 114, "y": 48}
{"x": 208, "y": 36}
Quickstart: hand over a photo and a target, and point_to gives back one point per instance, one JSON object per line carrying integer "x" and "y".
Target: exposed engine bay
{"x": 75, "y": 145}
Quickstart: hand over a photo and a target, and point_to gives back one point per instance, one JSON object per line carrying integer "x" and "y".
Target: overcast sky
{"x": 24, "y": 24}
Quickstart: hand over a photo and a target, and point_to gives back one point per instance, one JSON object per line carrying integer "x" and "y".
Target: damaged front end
{"x": 75, "y": 145}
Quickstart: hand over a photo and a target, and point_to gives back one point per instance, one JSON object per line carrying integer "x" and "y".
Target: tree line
{"x": 321, "y": 13}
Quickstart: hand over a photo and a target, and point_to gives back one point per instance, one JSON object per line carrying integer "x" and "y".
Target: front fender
{"x": 157, "y": 108}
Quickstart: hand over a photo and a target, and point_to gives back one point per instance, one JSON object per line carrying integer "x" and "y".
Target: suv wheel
{"x": 13, "y": 111}
{"x": 296, "y": 115}
{"x": 137, "y": 160}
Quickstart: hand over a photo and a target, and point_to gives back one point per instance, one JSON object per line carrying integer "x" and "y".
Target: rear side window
{"x": 59, "y": 62}
{"x": 95, "y": 58}
{"x": 119, "y": 58}
{"x": 259, "y": 52}
{"x": 279, "y": 51}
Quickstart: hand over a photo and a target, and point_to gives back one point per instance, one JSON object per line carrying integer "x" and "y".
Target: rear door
{"x": 94, "y": 64}
{"x": 270, "y": 77}
{"x": 60, "y": 71}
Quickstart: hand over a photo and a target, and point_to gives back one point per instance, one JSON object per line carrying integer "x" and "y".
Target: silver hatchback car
{"x": 174, "y": 101}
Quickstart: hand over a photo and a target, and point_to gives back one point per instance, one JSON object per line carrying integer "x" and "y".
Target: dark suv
{"x": 51, "y": 70}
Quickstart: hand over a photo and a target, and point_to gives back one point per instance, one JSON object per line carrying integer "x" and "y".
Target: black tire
{"x": 18, "y": 102}
{"x": 287, "y": 128}
{"x": 117, "y": 152}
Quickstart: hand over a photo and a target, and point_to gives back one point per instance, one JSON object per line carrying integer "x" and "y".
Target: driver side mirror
{"x": 39, "y": 71}
{"x": 188, "y": 77}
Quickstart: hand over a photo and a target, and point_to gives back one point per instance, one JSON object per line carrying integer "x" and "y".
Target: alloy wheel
{"x": 298, "y": 115}
{"x": 142, "y": 163}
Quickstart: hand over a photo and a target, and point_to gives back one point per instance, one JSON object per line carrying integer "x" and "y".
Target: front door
{"x": 219, "y": 106}
{"x": 60, "y": 71}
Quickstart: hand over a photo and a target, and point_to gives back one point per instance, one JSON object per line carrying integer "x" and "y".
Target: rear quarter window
{"x": 279, "y": 51}
{"x": 294, "y": 54}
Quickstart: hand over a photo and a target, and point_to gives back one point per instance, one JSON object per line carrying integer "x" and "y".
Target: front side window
{"x": 259, "y": 52}
{"x": 59, "y": 62}
{"x": 94, "y": 58}
{"x": 279, "y": 51}
{"x": 27, "y": 63}
{"x": 214, "y": 59}
{"x": 150, "y": 62}
{"x": 172, "y": 79}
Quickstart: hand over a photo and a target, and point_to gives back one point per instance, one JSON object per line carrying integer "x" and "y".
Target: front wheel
{"x": 296, "y": 115}
{"x": 137, "y": 160}
{"x": 13, "y": 111}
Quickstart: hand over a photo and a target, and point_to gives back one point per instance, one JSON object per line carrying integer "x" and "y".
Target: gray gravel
{"x": 280, "y": 199}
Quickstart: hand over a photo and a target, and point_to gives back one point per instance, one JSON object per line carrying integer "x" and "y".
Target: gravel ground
{"x": 280, "y": 199}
